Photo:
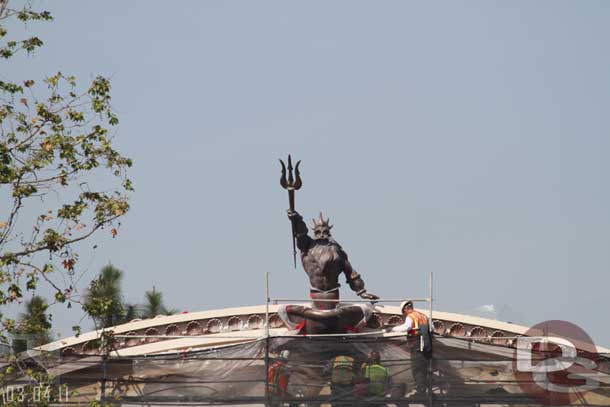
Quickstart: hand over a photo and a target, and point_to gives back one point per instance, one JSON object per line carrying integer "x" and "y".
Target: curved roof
{"x": 226, "y": 336}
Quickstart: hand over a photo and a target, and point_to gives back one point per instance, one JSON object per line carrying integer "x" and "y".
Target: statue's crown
{"x": 321, "y": 222}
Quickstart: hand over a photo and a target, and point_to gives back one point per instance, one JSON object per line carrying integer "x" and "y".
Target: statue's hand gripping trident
{"x": 291, "y": 184}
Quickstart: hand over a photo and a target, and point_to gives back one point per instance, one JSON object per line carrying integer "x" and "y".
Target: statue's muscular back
{"x": 323, "y": 262}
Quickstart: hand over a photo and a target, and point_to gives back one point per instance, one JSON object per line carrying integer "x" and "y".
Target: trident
{"x": 291, "y": 184}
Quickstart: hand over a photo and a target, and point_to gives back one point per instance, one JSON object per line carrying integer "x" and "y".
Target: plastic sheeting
{"x": 239, "y": 372}
{"x": 460, "y": 372}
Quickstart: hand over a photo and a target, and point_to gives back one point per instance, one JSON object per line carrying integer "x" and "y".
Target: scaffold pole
{"x": 267, "y": 299}
{"x": 104, "y": 347}
{"x": 431, "y": 329}
{"x": 430, "y": 323}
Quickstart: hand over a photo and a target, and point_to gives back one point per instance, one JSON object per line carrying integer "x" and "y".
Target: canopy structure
{"x": 224, "y": 357}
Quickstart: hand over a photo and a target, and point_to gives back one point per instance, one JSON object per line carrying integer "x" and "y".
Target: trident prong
{"x": 292, "y": 183}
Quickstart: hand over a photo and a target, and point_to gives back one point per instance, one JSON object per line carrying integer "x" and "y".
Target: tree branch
{"x": 66, "y": 243}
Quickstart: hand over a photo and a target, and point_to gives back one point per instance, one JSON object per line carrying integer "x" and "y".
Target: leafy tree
{"x": 104, "y": 301}
{"x": 131, "y": 312}
{"x": 35, "y": 319}
{"x": 34, "y": 324}
{"x": 104, "y": 298}
{"x": 153, "y": 305}
{"x": 55, "y": 147}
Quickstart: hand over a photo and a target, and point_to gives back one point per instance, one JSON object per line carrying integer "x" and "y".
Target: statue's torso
{"x": 323, "y": 263}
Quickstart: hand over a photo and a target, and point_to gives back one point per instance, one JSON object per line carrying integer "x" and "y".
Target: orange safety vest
{"x": 418, "y": 319}
{"x": 277, "y": 379}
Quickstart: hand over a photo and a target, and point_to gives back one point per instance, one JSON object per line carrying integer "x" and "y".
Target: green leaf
{"x": 32, "y": 283}
{"x": 60, "y": 297}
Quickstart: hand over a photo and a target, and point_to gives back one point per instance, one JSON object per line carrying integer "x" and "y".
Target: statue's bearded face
{"x": 321, "y": 228}
{"x": 321, "y": 232}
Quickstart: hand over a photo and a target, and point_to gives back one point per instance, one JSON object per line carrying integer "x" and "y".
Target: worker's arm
{"x": 405, "y": 327}
{"x": 327, "y": 368}
{"x": 355, "y": 281}
{"x": 300, "y": 230}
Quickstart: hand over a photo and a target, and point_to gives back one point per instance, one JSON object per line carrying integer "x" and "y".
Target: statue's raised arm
{"x": 300, "y": 231}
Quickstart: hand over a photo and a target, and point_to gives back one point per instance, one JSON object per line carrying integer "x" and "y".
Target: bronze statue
{"x": 324, "y": 260}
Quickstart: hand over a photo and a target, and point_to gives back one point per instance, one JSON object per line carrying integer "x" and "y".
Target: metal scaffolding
{"x": 460, "y": 372}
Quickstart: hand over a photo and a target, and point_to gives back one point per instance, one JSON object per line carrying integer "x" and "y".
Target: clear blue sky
{"x": 465, "y": 138}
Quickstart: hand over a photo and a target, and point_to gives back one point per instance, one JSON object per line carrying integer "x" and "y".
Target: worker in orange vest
{"x": 415, "y": 321}
{"x": 278, "y": 376}
{"x": 417, "y": 327}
